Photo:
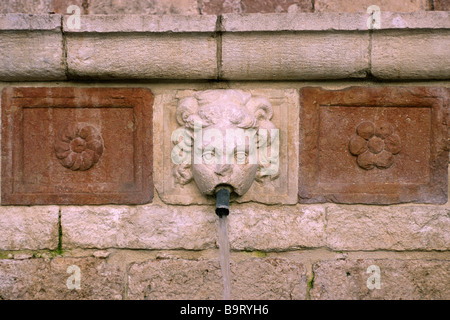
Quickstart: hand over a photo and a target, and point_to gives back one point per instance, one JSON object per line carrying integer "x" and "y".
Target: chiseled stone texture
{"x": 441, "y": 5}
{"x": 31, "y": 48}
{"x": 42, "y": 279}
{"x": 152, "y": 226}
{"x": 359, "y": 227}
{"x": 362, "y": 5}
{"x": 254, "y": 6}
{"x": 181, "y": 7}
{"x": 156, "y": 226}
{"x": 258, "y": 227}
{"x": 31, "y": 228}
{"x": 26, "y": 6}
{"x": 397, "y": 54}
{"x": 399, "y": 279}
{"x": 254, "y": 278}
{"x": 247, "y": 56}
{"x": 142, "y": 56}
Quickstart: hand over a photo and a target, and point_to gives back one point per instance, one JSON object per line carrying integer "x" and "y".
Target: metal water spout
{"x": 223, "y": 201}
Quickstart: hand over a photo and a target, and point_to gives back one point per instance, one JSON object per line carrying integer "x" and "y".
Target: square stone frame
{"x": 282, "y": 190}
{"x": 16, "y": 99}
{"x": 311, "y": 190}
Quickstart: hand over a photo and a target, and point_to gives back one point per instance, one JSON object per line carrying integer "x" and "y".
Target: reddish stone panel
{"x": 373, "y": 145}
{"x": 441, "y": 5}
{"x": 76, "y": 146}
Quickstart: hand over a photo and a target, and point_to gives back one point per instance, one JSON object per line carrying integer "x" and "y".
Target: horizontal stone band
{"x": 297, "y": 46}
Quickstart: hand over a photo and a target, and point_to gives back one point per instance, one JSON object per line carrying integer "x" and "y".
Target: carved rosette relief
{"x": 375, "y": 145}
{"x": 79, "y": 147}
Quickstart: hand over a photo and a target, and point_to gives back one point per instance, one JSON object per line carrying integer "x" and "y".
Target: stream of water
{"x": 224, "y": 249}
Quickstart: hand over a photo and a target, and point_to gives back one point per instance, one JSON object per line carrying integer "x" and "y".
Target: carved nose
{"x": 223, "y": 169}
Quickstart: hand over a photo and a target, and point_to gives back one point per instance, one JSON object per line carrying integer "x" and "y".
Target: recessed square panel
{"x": 373, "y": 145}
{"x": 76, "y": 146}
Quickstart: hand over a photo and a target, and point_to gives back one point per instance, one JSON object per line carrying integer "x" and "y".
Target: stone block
{"x": 26, "y": 6}
{"x": 31, "y": 48}
{"x": 397, "y": 54}
{"x": 280, "y": 22}
{"x": 42, "y": 279}
{"x": 373, "y": 145}
{"x": 267, "y": 228}
{"x": 362, "y": 5}
{"x": 157, "y": 7}
{"x": 294, "y": 56}
{"x": 32, "y": 228}
{"x": 265, "y": 279}
{"x": 152, "y": 226}
{"x": 399, "y": 228}
{"x": 274, "y": 189}
{"x": 398, "y": 280}
{"x": 157, "y": 226}
{"x": 142, "y": 23}
{"x": 76, "y": 145}
{"x": 142, "y": 56}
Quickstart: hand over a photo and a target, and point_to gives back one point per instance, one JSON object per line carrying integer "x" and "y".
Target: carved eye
{"x": 241, "y": 157}
{"x": 208, "y": 156}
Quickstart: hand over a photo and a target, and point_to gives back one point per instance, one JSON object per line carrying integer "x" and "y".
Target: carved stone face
{"x": 228, "y": 164}
{"x": 225, "y": 128}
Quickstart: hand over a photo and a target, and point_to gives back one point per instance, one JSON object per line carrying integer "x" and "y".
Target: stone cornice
{"x": 300, "y": 46}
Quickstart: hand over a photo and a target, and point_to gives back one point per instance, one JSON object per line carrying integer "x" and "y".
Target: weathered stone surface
{"x": 157, "y": 226}
{"x": 180, "y": 7}
{"x": 31, "y": 228}
{"x": 388, "y": 228}
{"x": 415, "y": 20}
{"x": 153, "y": 226}
{"x": 26, "y": 6}
{"x": 398, "y": 55}
{"x": 61, "y": 6}
{"x": 399, "y": 279}
{"x": 441, "y": 5}
{"x": 217, "y": 7}
{"x": 54, "y": 152}
{"x": 27, "y": 22}
{"x": 362, "y": 5}
{"x": 273, "y": 189}
{"x": 247, "y": 56}
{"x": 31, "y": 47}
{"x": 278, "y": 22}
{"x": 143, "y": 56}
{"x": 41, "y": 279}
{"x": 29, "y": 56}
{"x": 267, "y": 278}
{"x": 143, "y": 23}
{"x": 258, "y": 227}
{"x": 402, "y": 158}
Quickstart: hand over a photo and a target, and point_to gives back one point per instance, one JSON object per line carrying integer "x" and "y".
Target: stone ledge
{"x": 143, "y": 23}
{"x": 292, "y": 46}
{"x": 343, "y": 21}
{"x": 23, "y": 21}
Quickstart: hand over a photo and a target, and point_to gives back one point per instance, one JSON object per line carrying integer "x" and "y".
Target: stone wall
{"x": 215, "y": 7}
{"x": 167, "y": 248}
